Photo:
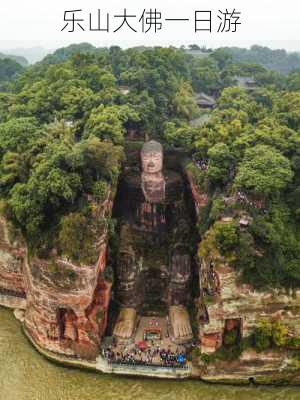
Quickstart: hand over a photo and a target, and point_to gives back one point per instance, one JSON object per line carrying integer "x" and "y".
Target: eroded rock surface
{"x": 66, "y": 303}
{"x": 226, "y": 304}
{"x": 12, "y": 252}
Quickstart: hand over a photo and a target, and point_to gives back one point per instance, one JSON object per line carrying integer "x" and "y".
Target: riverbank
{"x": 261, "y": 376}
{"x": 101, "y": 365}
{"x": 26, "y": 375}
{"x": 254, "y": 374}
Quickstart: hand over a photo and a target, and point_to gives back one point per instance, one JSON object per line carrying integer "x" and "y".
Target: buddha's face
{"x": 152, "y": 162}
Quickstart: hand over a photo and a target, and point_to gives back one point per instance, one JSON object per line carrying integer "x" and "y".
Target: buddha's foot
{"x": 125, "y": 323}
{"x": 180, "y": 323}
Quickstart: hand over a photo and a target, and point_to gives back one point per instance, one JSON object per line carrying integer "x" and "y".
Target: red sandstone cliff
{"x": 66, "y": 304}
{"x": 12, "y": 251}
{"x": 234, "y": 302}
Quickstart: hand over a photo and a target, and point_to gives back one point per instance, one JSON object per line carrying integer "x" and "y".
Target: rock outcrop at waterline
{"x": 236, "y": 305}
{"x": 69, "y": 318}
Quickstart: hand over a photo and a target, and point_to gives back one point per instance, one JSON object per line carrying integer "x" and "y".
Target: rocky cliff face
{"x": 66, "y": 303}
{"x": 67, "y": 309}
{"x": 226, "y": 301}
{"x": 225, "y": 304}
{"x": 200, "y": 198}
{"x": 12, "y": 252}
{"x": 240, "y": 305}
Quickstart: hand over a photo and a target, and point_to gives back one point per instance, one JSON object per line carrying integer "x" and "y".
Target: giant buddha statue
{"x": 154, "y": 264}
{"x": 153, "y": 182}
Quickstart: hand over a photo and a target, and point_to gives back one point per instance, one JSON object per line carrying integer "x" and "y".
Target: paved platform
{"x": 103, "y": 366}
{"x": 164, "y": 343}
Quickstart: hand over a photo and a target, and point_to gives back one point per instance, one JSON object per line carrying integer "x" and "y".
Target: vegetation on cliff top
{"x": 250, "y": 150}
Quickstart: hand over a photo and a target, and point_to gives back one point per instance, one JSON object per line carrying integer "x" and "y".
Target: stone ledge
{"x": 279, "y": 379}
{"x": 12, "y": 302}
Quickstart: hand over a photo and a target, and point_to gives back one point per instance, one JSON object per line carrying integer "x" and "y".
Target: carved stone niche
{"x": 233, "y": 327}
{"x": 67, "y": 324}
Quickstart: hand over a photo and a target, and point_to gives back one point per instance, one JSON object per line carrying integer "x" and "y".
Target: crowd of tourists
{"x": 241, "y": 197}
{"x": 201, "y": 163}
{"x": 149, "y": 356}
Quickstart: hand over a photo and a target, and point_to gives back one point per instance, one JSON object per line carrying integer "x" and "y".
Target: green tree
{"x": 9, "y": 70}
{"x": 263, "y": 335}
{"x": 108, "y": 123}
{"x": 220, "y": 163}
{"x": 184, "y": 102}
{"x": 18, "y": 134}
{"x": 226, "y": 235}
{"x": 264, "y": 171}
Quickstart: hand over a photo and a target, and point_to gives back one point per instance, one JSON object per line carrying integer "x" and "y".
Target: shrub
{"x": 230, "y": 338}
{"x": 293, "y": 343}
{"x": 100, "y": 190}
{"x": 226, "y": 236}
{"x": 262, "y": 341}
{"x": 279, "y": 333}
{"x": 263, "y": 335}
{"x": 108, "y": 273}
{"x": 196, "y": 353}
{"x": 205, "y": 358}
{"x": 228, "y": 354}
{"x": 270, "y": 333}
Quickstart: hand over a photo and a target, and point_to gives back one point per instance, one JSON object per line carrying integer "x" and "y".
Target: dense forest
{"x": 278, "y": 60}
{"x": 18, "y": 59}
{"x": 63, "y": 123}
{"x": 9, "y": 71}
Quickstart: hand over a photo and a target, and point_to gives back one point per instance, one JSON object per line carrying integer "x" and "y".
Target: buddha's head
{"x": 152, "y": 157}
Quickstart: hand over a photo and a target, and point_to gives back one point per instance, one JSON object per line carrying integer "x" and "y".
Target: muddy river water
{"x": 26, "y": 375}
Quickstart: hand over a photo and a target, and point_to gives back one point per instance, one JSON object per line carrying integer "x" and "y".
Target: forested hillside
{"x": 278, "y": 60}
{"x": 62, "y": 129}
{"x": 9, "y": 71}
{"x": 18, "y": 59}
